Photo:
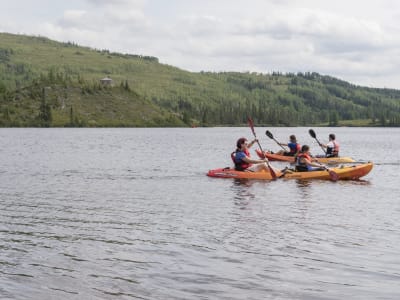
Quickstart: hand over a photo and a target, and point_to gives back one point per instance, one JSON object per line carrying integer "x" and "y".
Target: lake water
{"x": 130, "y": 214}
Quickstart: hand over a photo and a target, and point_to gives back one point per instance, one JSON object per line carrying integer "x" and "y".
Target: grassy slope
{"x": 105, "y": 107}
{"x": 156, "y": 88}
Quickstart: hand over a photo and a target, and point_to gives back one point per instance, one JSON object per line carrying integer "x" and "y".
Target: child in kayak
{"x": 304, "y": 162}
{"x": 293, "y": 146}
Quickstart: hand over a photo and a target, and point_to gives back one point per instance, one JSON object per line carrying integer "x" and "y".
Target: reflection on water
{"x": 242, "y": 191}
{"x": 360, "y": 182}
{"x": 303, "y": 183}
{"x": 243, "y": 182}
{"x": 304, "y": 188}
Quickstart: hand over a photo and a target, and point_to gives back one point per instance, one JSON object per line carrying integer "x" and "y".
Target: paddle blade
{"x": 333, "y": 175}
{"x": 269, "y": 134}
{"x": 251, "y": 124}
{"x": 312, "y": 133}
{"x": 272, "y": 171}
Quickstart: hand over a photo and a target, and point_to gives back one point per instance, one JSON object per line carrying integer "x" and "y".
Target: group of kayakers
{"x": 304, "y": 161}
{"x": 332, "y": 147}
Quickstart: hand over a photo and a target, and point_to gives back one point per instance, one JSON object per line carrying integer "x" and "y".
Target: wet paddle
{"x": 333, "y": 175}
{"x": 312, "y": 133}
{"x": 271, "y": 170}
{"x": 269, "y": 134}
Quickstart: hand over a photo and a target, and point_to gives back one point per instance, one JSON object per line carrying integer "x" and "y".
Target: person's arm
{"x": 330, "y": 144}
{"x": 252, "y": 143}
{"x": 313, "y": 164}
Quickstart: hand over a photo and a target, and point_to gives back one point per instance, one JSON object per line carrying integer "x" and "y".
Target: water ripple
{"x": 84, "y": 214}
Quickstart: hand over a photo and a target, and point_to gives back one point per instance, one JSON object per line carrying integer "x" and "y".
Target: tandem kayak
{"x": 344, "y": 172}
{"x": 290, "y": 159}
{"x": 232, "y": 173}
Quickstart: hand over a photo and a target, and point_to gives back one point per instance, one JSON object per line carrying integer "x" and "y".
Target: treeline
{"x": 285, "y": 100}
{"x": 274, "y": 100}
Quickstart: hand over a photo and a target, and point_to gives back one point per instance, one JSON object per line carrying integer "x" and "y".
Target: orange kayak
{"x": 344, "y": 172}
{"x": 290, "y": 159}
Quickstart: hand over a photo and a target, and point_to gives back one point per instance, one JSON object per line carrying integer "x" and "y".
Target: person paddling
{"x": 243, "y": 161}
{"x": 305, "y": 163}
{"x": 293, "y": 146}
{"x": 332, "y": 147}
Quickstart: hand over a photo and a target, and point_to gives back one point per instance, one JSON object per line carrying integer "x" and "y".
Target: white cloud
{"x": 112, "y": 3}
{"x": 74, "y": 19}
{"x": 353, "y": 40}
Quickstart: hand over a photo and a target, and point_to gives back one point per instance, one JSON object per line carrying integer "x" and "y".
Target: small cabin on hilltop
{"x": 106, "y": 81}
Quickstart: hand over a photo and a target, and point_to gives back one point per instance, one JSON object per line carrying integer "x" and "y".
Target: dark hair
{"x": 240, "y": 142}
{"x": 332, "y": 136}
{"x": 292, "y": 137}
{"x": 305, "y": 148}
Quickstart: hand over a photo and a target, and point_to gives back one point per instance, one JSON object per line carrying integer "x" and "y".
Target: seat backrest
{"x": 233, "y": 155}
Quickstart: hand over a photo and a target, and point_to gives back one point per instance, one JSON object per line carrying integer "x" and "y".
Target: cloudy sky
{"x": 354, "y": 40}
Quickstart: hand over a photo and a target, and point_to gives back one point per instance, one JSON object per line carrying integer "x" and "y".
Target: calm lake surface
{"x": 130, "y": 214}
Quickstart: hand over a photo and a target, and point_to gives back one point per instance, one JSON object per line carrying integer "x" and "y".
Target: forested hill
{"x": 47, "y": 83}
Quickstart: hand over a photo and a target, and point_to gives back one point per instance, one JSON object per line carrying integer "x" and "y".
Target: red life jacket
{"x": 300, "y": 165}
{"x": 336, "y": 148}
{"x": 240, "y": 165}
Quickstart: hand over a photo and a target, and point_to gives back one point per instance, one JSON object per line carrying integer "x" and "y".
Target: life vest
{"x": 294, "y": 148}
{"x": 240, "y": 165}
{"x": 333, "y": 152}
{"x": 300, "y": 165}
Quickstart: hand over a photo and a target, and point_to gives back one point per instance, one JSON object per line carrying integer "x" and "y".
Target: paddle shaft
{"x": 255, "y": 136}
{"x": 273, "y": 174}
{"x": 336, "y": 162}
{"x": 322, "y": 147}
{"x": 269, "y": 134}
{"x": 312, "y": 133}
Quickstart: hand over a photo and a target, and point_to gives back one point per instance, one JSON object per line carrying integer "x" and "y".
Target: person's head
{"x": 293, "y": 138}
{"x": 305, "y": 148}
{"x": 332, "y": 137}
{"x": 240, "y": 142}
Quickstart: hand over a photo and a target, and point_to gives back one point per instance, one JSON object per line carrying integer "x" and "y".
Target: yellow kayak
{"x": 290, "y": 159}
{"x": 344, "y": 172}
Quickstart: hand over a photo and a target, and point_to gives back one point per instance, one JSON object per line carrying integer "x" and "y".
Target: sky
{"x": 353, "y": 40}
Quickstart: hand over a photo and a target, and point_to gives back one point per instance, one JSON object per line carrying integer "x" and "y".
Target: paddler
{"x": 243, "y": 161}
{"x": 304, "y": 161}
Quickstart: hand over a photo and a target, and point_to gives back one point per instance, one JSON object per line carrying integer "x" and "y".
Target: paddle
{"x": 269, "y": 134}
{"x": 312, "y": 133}
{"x": 271, "y": 170}
{"x": 335, "y": 162}
{"x": 333, "y": 175}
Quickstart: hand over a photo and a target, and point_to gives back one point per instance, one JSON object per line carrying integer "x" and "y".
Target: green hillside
{"x": 47, "y": 83}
